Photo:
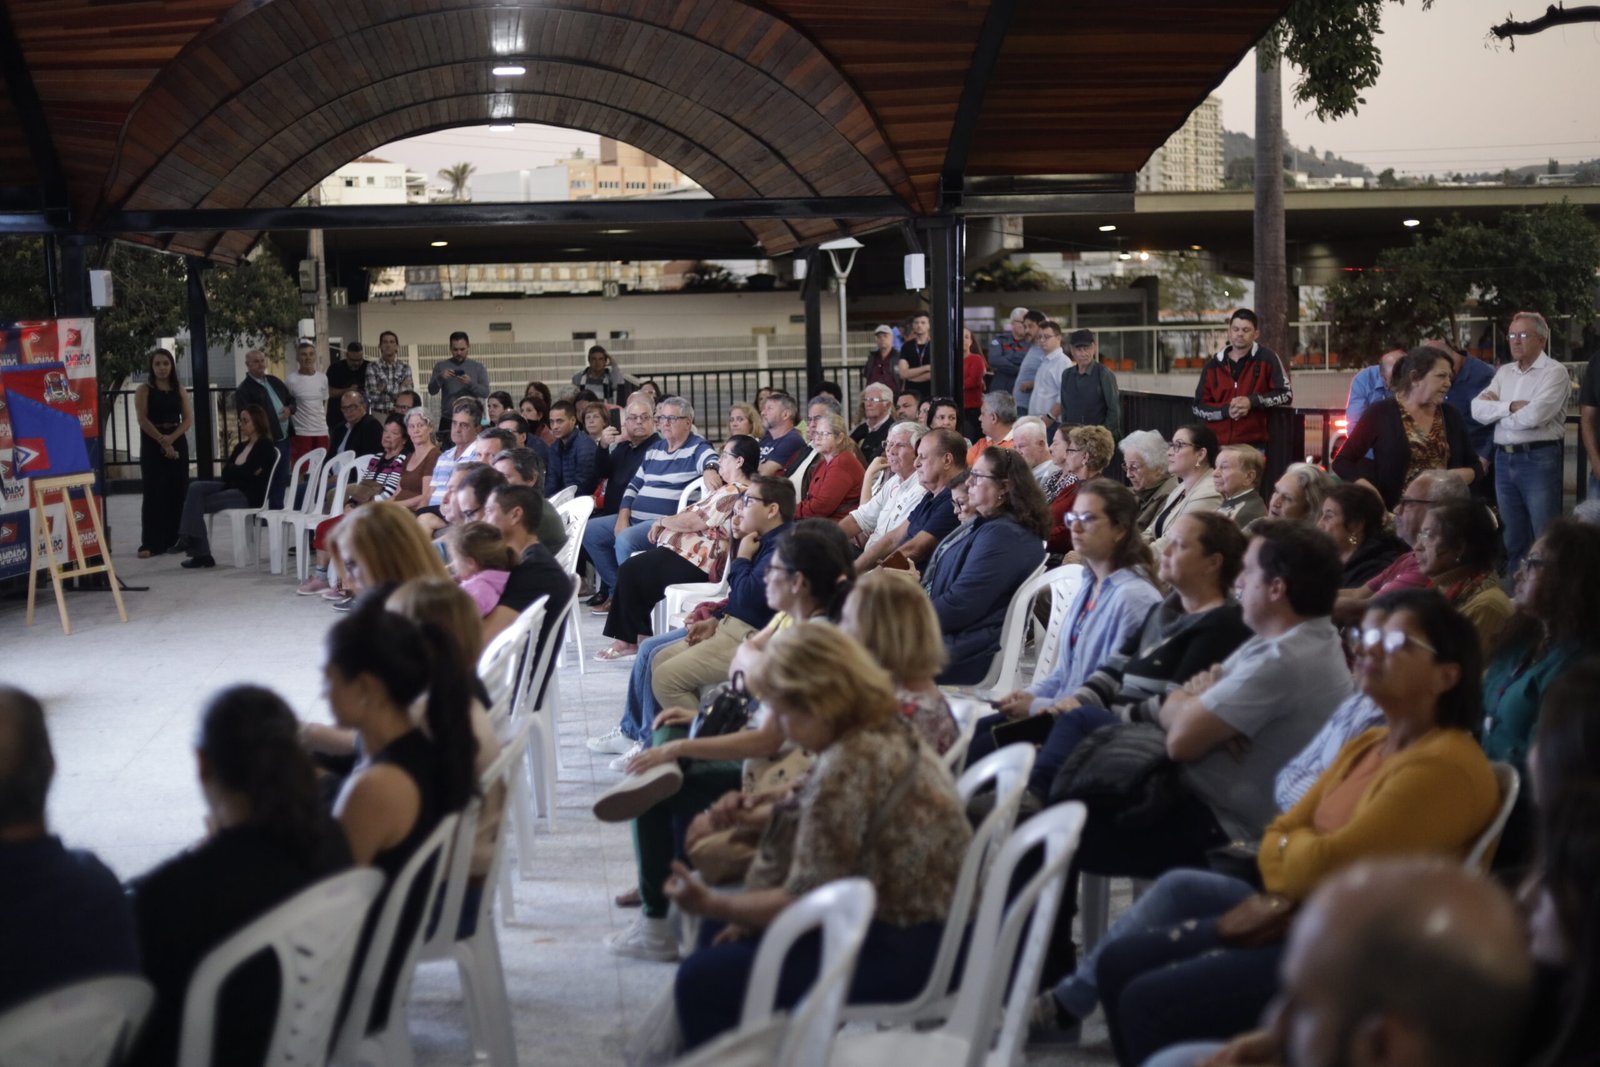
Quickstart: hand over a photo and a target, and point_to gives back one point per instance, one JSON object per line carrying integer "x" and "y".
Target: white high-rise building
{"x": 1191, "y": 160}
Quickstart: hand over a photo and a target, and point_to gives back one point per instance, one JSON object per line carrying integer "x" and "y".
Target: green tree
{"x": 256, "y": 302}
{"x": 1011, "y": 276}
{"x": 457, "y": 177}
{"x": 706, "y": 277}
{"x": 1193, "y": 291}
{"x": 152, "y": 302}
{"x": 23, "y": 292}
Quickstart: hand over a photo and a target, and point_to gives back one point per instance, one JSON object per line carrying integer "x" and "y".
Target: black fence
{"x": 120, "y": 438}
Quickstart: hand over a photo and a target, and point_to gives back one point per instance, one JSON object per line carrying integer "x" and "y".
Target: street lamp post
{"x": 848, "y": 245}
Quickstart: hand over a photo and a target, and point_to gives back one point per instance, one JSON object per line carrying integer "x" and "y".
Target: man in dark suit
{"x": 259, "y": 387}
{"x": 363, "y": 434}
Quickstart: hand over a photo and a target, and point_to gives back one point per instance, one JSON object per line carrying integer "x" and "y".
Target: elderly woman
{"x": 1298, "y": 495}
{"x": 1190, "y": 454}
{"x": 1116, "y": 596}
{"x": 1237, "y": 477}
{"x": 1354, "y": 517}
{"x": 1418, "y": 784}
{"x": 1144, "y": 458}
{"x": 877, "y": 804}
{"x": 1083, "y": 458}
{"x": 691, "y": 546}
{"x": 891, "y": 616}
{"x": 379, "y": 481}
{"x": 835, "y": 484}
{"x": 1412, "y": 432}
{"x": 972, "y": 584}
{"x": 416, "y": 479}
{"x": 1458, "y": 551}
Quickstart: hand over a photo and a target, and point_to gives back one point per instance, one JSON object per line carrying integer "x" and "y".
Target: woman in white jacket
{"x": 1190, "y": 456}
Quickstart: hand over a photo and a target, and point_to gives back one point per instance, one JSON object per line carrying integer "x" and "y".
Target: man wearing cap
{"x": 1045, "y": 401}
{"x": 879, "y": 368}
{"x": 1088, "y": 389}
{"x": 1007, "y": 349}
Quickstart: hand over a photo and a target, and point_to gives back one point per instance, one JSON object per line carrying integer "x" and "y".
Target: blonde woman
{"x": 892, "y": 617}
{"x": 835, "y": 487}
{"x": 379, "y": 544}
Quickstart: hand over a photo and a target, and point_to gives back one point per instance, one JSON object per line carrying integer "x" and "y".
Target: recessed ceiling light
{"x": 1194, "y": 248}
{"x": 1408, "y": 223}
{"x": 574, "y": 250}
{"x": 1125, "y": 255}
{"x": 1144, "y": 256}
{"x": 616, "y": 231}
{"x": 509, "y": 70}
{"x": 440, "y": 243}
{"x": 502, "y": 127}
{"x": 1107, "y": 228}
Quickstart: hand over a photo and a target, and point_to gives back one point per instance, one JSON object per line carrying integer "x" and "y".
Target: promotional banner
{"x": 49, "y": 425}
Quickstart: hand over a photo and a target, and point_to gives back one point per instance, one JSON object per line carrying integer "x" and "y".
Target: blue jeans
{"x": 1175, "y": 896}
{"x": 1528, "y": 485}
{"x": 607, "y": 549}
{"x": 1594, "y": 488}
{"x": 639, "y": 710}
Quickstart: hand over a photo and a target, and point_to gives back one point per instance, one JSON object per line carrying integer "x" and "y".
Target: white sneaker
{"x": 638, "y": 793}
{"x": 612, "y": 743}
{"x": 645, "y": 939}
{"x": 621, "y": 762}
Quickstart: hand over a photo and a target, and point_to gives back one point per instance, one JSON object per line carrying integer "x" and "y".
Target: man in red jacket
{"x": 1240, "y": 383}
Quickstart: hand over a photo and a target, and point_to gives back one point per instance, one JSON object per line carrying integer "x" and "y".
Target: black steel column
{"x": 71, "y": 292}
{"x": 200, "y": 366}
{"x": 812, "y": 292}
{"x": 945, "y": 238}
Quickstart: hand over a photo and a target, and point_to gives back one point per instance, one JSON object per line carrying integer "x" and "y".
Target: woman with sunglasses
{"x": 1416, "y": 785}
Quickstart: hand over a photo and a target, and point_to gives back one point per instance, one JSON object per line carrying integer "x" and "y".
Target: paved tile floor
{"x": 122, "y": 701}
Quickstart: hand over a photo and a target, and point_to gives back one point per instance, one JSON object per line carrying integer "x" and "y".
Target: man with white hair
{"x": 1031, "y": 438}
{"x": 1526, "y": 403}
{"x": 897, "y": 494}
{"x": 996, "y": 418}
{"x": 1426, "y": 489}
{"x": 877, "y": 410}
{"x": 1007, "y": 349}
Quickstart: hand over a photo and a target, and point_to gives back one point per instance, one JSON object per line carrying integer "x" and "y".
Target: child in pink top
{"x": 481, "y": 561}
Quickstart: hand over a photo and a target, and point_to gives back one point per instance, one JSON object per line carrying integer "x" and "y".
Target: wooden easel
{"x": 40, "y": 487}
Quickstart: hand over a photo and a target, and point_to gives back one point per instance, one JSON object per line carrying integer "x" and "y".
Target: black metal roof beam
{"x": 54, "y": 196}
{"x": 985, "y": 57}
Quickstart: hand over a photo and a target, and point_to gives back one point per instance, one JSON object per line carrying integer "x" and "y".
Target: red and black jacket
{"x": 1260, "y": 375}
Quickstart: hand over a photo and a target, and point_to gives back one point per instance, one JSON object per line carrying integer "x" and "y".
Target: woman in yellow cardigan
{"x": 1419, "y": 784}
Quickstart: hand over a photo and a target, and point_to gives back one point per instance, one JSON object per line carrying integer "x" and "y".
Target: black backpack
{"x": 1122, "y": 773}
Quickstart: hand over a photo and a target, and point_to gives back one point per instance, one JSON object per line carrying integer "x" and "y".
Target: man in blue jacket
{"x": 572, "y": 453}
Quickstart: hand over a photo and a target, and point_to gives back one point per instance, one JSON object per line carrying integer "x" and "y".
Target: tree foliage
{"x": 1333, "y": 45}
{"x": 1011, "y": 276}
{"x": 457, "y": 177}
{"x": 706, "y": 277}
{"x": 152, "y": 302}
{"x": 1540, "y": 259}
{"x": 256, "y": 302}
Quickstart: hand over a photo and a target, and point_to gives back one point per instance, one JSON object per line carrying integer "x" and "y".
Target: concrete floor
{"x": 122, "y": 701}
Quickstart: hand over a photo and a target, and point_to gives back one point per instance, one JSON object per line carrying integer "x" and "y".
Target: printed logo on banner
{"x": 14, "y": 547}
{"x": 85, "y": 528}
{"x": 45, "y": 421}
{"x": 30, "y": 455}
{"x": 27, "y": 342}
{"x": 13, "y": 490}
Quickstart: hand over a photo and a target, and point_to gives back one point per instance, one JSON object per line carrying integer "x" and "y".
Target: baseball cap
{"x": 1080, "y": 337}
{"x": 1018, "y": 314}
{"x": 882, "y": 329}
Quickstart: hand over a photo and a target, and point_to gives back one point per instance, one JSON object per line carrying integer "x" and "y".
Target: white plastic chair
{"x": 1063, "y": 583}
{"x": 798, "y": 475}
{"x": 992, "y": 1005}
{"x": 966, "y": 712}
{"x": 804, "y": 1036}
{"x": 344, "y": 475}
{"x": 302, "y": 476}
{"x": 537, "y": 700}
{"x": 313, "y": 935}
{"x": 562, "y": 497}
{"x": 694, "y": 491}
{"x": 678, "y": 600}
{"x": 575, "y": 516}
{"x": 87, "y": 1024}
{"x": 390, "y": 1046}
{"x": 312, "y": 510}
{"x": 477, "y": 958}
{"x": 1482, "y": 853}
{"x": 1006, "y": 771}
{"x": 500, "y": 665}
{"x": 242, "y": 521}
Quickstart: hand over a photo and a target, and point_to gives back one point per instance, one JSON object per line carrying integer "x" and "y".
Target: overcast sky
{"x": 1449, "y": 99}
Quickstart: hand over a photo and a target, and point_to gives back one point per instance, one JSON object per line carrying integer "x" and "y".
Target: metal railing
{"x": 121, "y": 441}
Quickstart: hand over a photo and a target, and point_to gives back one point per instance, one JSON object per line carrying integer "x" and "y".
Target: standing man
{"x": 309, "y": 388}
{"x": 344, "y": 375}
{"x": 602, "y": 376}
{"x": 1045, "y": 400}
{"x": 458, "y": 376}
{"x": 1240, "y": 383}
{"x": 782, "y": 446}
{"x": 877, "y": 409}
{"x": 1526, "y": 403}
{"x": 915, "y": 365}
{"x": 1006, "y": 351}
{"x": 879, "y": 368}
{"x": 1089, "y": 394}
{"x": 1371, "y": 384}
{"x": 259, "y": 387}
{"x": 1031, "y": 358}
{"x": 388, "y": 377}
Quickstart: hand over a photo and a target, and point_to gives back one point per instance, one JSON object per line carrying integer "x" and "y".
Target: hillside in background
{"x": 1326, "y": 165}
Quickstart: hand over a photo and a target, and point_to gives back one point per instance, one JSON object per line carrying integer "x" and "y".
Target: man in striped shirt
{"x": 676, "y": 459}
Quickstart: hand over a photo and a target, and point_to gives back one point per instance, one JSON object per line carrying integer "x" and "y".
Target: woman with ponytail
{"x": 270, "y": 838}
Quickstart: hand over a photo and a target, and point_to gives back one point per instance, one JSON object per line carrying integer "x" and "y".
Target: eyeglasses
{"x": 470, "y": 514}
{"x": 1179, "y": 446}
{"x": 670, "y": 418}
{"x": 985, "y": 477}
{"x": 1391, "y": 641}
{"x": 1532, "y": 564}
{"x": 1079, "y": 518}
{"x": 745, "y": 500}
{"x": 1069, "y": 448}
{"x": 1520, "y": 335}
{"x": 873, "y": 400}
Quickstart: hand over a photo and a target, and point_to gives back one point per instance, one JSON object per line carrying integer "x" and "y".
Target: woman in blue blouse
{"x": 1117, "y": 594}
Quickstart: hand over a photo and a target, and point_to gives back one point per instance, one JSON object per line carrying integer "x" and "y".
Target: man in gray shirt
{"x": 458, "y": 376}
{"x": 1088, "y": 390}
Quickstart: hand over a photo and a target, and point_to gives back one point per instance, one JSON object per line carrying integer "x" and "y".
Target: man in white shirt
{"x": 898, "y": 492}
{"x": 309, "y": 388}
{"x": 1526, "y": 403}
{"x": 1031, "y": 437}
{"x": 1045, "y": 400}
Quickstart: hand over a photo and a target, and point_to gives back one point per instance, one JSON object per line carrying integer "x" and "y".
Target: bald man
{"x": 1394, "y": 963}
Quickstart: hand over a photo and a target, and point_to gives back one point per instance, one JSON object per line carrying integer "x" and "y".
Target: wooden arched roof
{"x": 248, "y": 103}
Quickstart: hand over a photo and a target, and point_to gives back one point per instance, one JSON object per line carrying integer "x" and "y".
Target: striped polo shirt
{"x": 664, "y": 474}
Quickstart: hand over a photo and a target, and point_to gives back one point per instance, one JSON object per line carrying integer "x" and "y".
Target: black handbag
{"x": 1122, "y": 773}
{"x": 728, "y": 711}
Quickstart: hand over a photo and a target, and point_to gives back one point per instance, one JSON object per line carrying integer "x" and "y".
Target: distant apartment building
{"x": 620, "y": 170}
{"x": 370, "y": 180}
{"x": 1191, "y": 159}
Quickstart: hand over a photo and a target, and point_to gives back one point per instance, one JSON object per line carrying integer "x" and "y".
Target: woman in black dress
{"x": 162, "y": 407}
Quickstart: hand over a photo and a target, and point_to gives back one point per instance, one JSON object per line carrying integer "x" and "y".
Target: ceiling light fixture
{"x": 501, "y": 127}
{"x": 510, "y": 70}
{"x": 1410, "y": 223}
{"x": 1107, "y": 228}
{"x": 1194, "y": 248}
{"x": 439, "y": 242}
{"x": 1124, "y": 255}
{"x": 616, "y": 231}
{"x": 1144, "y": 256}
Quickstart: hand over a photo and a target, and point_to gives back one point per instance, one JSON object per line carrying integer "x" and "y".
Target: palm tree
{"x": 457, "y": 177}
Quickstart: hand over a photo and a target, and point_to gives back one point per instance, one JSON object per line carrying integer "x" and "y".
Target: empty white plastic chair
{"x": 536, "y": 698}
{"x": 1006, "y": 771}
{"x": 1063, "y": 583}
{"x": 340, "y": 474}
{"x": 242, "y": 522}
{"x": 313, "y": 934}
{"x": 575, "y": 517}
{"x": 284, "y": 526}
{"x": 804, "y": 1036}
{"x": 87, "y": 1024}
{"x": 305, "y": 473}
{"x": 997, "y": 987}
{"x": 390, "y": 1044}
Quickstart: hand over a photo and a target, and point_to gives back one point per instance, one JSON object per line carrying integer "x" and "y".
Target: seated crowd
{"x": 1309, "y": 697}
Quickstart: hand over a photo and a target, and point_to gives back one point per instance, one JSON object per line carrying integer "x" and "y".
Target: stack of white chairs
{"x": 87, "y": 1024}
{"x": 575, "y": 515}
{"x": 242, "y": 522}
{"x": 1063, "y": 584}
{"x": 562, "y": 497}
{"x": 303, "y": 475}
{"x": 338, "y": 476}
{"x": 507, "y": 667}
